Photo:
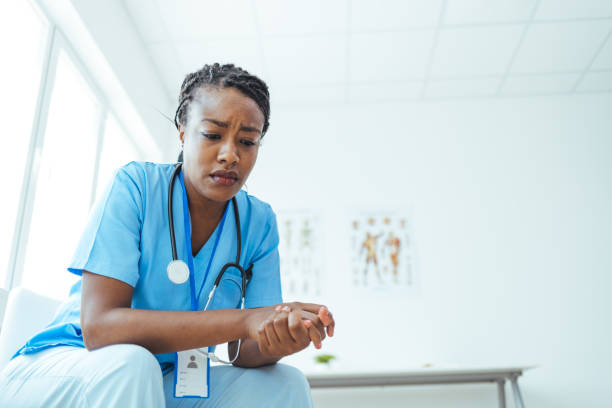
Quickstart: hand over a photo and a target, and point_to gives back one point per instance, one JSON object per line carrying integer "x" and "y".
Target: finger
{"x": 309, "y": 307}
{"x": 281, "y": 328}
{"x": 315, "y": 321}
{"x": 315, "y": 336}
{"x": 332, "y": 327}
{"x": 325, "y": 316}
{"x": 328, "y": 320}
{"x": 262, "y": 336}
{"x": 297, "y": 328}
{"x": 271, "y": 334}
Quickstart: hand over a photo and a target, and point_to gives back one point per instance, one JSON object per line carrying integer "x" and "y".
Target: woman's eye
{"x": 247, "y": 142}
{"x": 212, "y": 136}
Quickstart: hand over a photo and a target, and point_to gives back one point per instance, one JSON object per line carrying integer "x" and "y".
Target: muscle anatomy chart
{"x": 381, "y": 250}
{"x": 300, "y": 253}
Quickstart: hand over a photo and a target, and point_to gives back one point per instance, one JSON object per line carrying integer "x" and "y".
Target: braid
{"x": 223, "y": 76}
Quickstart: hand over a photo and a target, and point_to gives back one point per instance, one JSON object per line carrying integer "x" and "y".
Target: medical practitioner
{"x": 170, "y": 255}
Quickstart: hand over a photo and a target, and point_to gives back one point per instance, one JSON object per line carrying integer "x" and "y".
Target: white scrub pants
{"x": 126, "y": 375}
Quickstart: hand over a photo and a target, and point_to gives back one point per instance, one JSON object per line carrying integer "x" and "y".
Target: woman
{"x": 99, "y": 350}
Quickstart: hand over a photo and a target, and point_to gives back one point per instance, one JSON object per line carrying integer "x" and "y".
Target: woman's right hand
{"x": 319, "y": 315}
{"x": 278, "y": 331}
{"x": 289, "y": 327}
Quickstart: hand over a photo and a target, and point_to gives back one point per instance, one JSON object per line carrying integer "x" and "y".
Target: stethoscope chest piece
{"x": 178, "y": 271}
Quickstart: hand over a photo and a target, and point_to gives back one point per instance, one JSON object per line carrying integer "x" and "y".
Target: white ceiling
{"x": 359, "y": 51}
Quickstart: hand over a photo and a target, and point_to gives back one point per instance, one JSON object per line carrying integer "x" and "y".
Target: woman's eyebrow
{"x": 216, "y": 122}
{"x": 226, "y": 125}
{"x": 250, "y": 129}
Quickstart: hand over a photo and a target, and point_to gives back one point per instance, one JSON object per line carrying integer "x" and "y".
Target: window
{"x": 60, "y": 147}
{"x": 117, "y": 150}
{"x": 64, "y": 183}
{"x": 23, "y": 34}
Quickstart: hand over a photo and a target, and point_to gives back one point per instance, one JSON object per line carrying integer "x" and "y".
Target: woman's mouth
{"x": 226, "y": 181}
{"x": 225, "y": 178}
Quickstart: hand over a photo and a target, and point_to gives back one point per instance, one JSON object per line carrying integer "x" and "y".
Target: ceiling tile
{"x": 369, "y": 15}
{"x": 306, "y": 60}
{"x": 147, "y": 19}
{"x": 487, "y": 11}
{"x": 390, "y": 56}
{"x": 242, "y": 53}
{"x": 475, "y": 50}
{"x": 292, "y": 95}
{"x": 170, "y": 69}
{"x": 557, "y": 47}
{"x": 380, "y": 92}
{"x": 596, "y": 82}
{"x": 190, "y": 20}
{"x": 604, "y": 59}
{"x": 539, "y": 84}
{"x": 559, "y": 9}
{"x": 280, "y": 17}
{"x": 462, "y": 88}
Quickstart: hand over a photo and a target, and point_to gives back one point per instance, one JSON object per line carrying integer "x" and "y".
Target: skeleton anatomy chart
{"x": 301, "y": 256}
{"x": 381, "y": 250}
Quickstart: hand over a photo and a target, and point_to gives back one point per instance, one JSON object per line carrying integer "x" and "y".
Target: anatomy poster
{"x": 300, "y": 253}
{"x": 381, "y": 250}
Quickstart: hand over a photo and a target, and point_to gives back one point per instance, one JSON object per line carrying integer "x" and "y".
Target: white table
{"x": 421, "y": 376}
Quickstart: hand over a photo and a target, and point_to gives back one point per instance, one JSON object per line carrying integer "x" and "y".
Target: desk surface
{"x": 424, "y": 375}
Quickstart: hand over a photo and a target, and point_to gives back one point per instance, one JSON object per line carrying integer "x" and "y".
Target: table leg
{"x": 518, "y": 399}
{"x": 501, "y": 393}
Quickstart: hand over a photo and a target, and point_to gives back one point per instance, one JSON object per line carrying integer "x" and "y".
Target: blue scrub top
{"x": 128, "y": 238}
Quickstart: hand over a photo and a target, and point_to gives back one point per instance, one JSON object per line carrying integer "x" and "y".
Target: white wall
{"x": 512, "y": 209}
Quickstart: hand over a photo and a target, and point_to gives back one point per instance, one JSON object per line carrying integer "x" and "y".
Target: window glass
{"x": 22, "y": 40}
{"x": 64, "y": 183}
{"x": 117, "y": 150}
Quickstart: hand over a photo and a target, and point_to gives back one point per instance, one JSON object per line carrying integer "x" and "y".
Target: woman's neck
{"x": 202, "y": 207}
{"x": 205, "y": 215}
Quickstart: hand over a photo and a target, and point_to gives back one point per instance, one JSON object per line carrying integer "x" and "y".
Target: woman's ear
{"x": 181, "y": 130}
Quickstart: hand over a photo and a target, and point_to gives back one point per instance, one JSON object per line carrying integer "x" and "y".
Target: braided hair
{"x": 222, "y": 76}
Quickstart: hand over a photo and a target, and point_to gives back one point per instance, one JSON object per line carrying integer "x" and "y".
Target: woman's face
{"x": 220, "y": 142}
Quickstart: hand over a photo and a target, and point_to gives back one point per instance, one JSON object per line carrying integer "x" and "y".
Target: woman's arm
{"x": 107, "y": 318}
{"x": 268, "y": 332}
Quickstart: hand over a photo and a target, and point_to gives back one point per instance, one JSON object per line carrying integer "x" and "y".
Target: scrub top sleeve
{"x": 264, "y": 289}
{"x": 110, "y": 244}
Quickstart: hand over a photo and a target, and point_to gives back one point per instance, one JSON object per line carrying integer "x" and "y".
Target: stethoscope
{"x": 179, "y": 272}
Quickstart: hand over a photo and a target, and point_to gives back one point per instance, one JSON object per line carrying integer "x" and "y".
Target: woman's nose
{"x": 228, "y": 153}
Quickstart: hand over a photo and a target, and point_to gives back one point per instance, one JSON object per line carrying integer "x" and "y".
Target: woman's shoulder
{"x": 138, "y": 179}
{"x": 140, "y": 169}
{"x": 254, "y": 209}
{"x": 143, "y": 173}
{"x": 258, "y": 223}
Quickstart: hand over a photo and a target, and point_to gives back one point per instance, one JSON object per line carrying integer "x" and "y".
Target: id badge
{"x": 191, "y": 374}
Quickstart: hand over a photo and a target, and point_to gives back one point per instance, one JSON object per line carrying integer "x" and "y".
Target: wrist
{"x": 249, "y": 323}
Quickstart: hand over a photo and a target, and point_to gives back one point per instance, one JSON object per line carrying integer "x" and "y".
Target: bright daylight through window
{"x": 20, "y": 76}
{"x": 63, "y": 188}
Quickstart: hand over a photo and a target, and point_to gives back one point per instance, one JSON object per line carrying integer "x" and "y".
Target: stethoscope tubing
{"x": 246, "y": 274}
{"x": 236, "y": 264}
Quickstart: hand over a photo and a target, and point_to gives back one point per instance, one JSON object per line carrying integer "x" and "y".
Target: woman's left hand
{"x": 319, "y": 315}
{"x": 283, "y": 333}
{"x": 291, "y": 327}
